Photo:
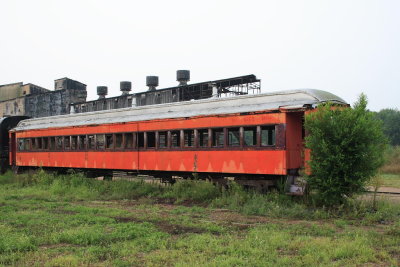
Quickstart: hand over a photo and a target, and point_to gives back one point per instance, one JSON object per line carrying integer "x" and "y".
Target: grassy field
{"x": 391, "y": 180}
{"x": 48, "y": 220}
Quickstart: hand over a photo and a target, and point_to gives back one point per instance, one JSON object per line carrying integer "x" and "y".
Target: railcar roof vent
{"x": 102, "y": 91}
{"x": 125, "y": 87}
{"x": 183, "y": 76}
{"x": 152, "y": 82}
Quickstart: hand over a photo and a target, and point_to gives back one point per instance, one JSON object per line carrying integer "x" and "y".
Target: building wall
{"x": 53, "y": 103}
{"x": 34, "y": 101}
{"x": 10, "y": 91}
{"x": 122, "y": 101}
{"x": 15, "y": 90}
{"x": 13, "y": 107}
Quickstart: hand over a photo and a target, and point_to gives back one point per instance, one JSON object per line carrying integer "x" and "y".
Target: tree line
{"x": 391, "y": 124}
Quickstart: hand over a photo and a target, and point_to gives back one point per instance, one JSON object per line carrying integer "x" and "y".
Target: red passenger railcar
{"x": 257, "y": 137}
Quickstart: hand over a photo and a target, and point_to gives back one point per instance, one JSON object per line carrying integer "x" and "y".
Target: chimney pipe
{"x": 102, "y": 91}
{"x": 152, "y": 82}
{"x": 183, "y": 76}
{"x": 125, "y": 87}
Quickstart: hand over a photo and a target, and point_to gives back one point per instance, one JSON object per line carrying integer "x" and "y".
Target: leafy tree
{"x": 347, "y": 146}
{"x": 391, "y": 124}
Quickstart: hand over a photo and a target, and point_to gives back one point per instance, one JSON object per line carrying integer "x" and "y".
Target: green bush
{"x": 347, "y": 146}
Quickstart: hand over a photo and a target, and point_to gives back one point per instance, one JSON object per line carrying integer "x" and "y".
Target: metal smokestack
{"x": 183, "y": 76}
{"x": 152, "y": 82}
{"x": 102, "y": 91}
{"x": 125, "y": 87}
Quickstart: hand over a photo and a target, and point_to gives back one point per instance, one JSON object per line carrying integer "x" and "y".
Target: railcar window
{"x": 91, "y": 142}
{"x": 203, "y": 137}
{"x": 82, "y": 142}
{"x": 162, "y": 139}
{"x": 188, "y": 136}
{"x": 74, "y": 142}
{"x": 118, "y": 141}
{"x": 39, "y": 143}
{"x": 59, "y": 143}
{"x": 67, "y": 142}
{"x": 250, "y": 136}
{"x": 176, "y": 138}
{"x": 45, "y": 143}
{"x": 234, "y": 137}
{"x": 33, "y": 141}
{"x": 52, "y": 143}
{"x": 129, "y": 140}
{"x": 268, "y": 135}
{"x": 21, "y": 145}
{"x": 100, "y": 141}
{"x": 218, "y": 137}
{"x": 151, "y": 139}
{"x": 27, "y": 144}
{"x": 109, "y": 141}
{"x": 140, "y": 140}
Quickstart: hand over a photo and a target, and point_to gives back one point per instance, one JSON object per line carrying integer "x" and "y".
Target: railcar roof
{"x": 237, "y": 104}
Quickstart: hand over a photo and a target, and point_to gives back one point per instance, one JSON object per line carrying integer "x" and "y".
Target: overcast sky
{"x": 345, "y": 47}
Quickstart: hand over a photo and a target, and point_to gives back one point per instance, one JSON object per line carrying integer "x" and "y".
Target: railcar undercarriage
{"x": 292, "y": 184}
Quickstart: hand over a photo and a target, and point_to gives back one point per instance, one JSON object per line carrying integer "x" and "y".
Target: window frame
{"x": 174, "y": 139}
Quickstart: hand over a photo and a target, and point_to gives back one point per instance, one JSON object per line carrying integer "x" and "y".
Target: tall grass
{"x": 392, "y": 160}
{"x": 77, "y": 187}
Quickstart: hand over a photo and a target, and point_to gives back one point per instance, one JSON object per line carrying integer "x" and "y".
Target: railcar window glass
{"x": 140, "y": 140}
{"x": 162, "y": 139}
{"x": 33, "y": 141}
{"x": 39, "y": 143}
{"x": 250, "y": 136}
{"x": 91, "y": 143}
{"x": 21, "y": 144}
{"x": 52, "y": 143}
{"x": 82, "y": 142}
{"x": 26, "y": 143}
{"x": 234, "y": 137}
{"x": 45, "y": 143}
{"x": 218, "y": 137}
{"x": 74, "y": 142}
{"x": 129, "y": 140}
{"x": 175, "y": 138}
{"x": 268, "y": 135}
{"x": 203, "y": 137}
{"x": 109, "y": 141}
{"x": 189, "y": 138}
{"x": 67, "y": 142}
{"x": 100, "y": 141}
{"x": 151, "y": 139}
{"x": 118, "y": 141}
{"x": 59, "y": 143}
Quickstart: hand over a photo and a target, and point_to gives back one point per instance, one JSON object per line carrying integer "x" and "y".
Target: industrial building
{"x": 30, "y": 100}
{"x": 69, "y": 96}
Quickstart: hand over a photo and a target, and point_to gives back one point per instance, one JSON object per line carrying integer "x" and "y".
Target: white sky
{"x": 345, "y": 47}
